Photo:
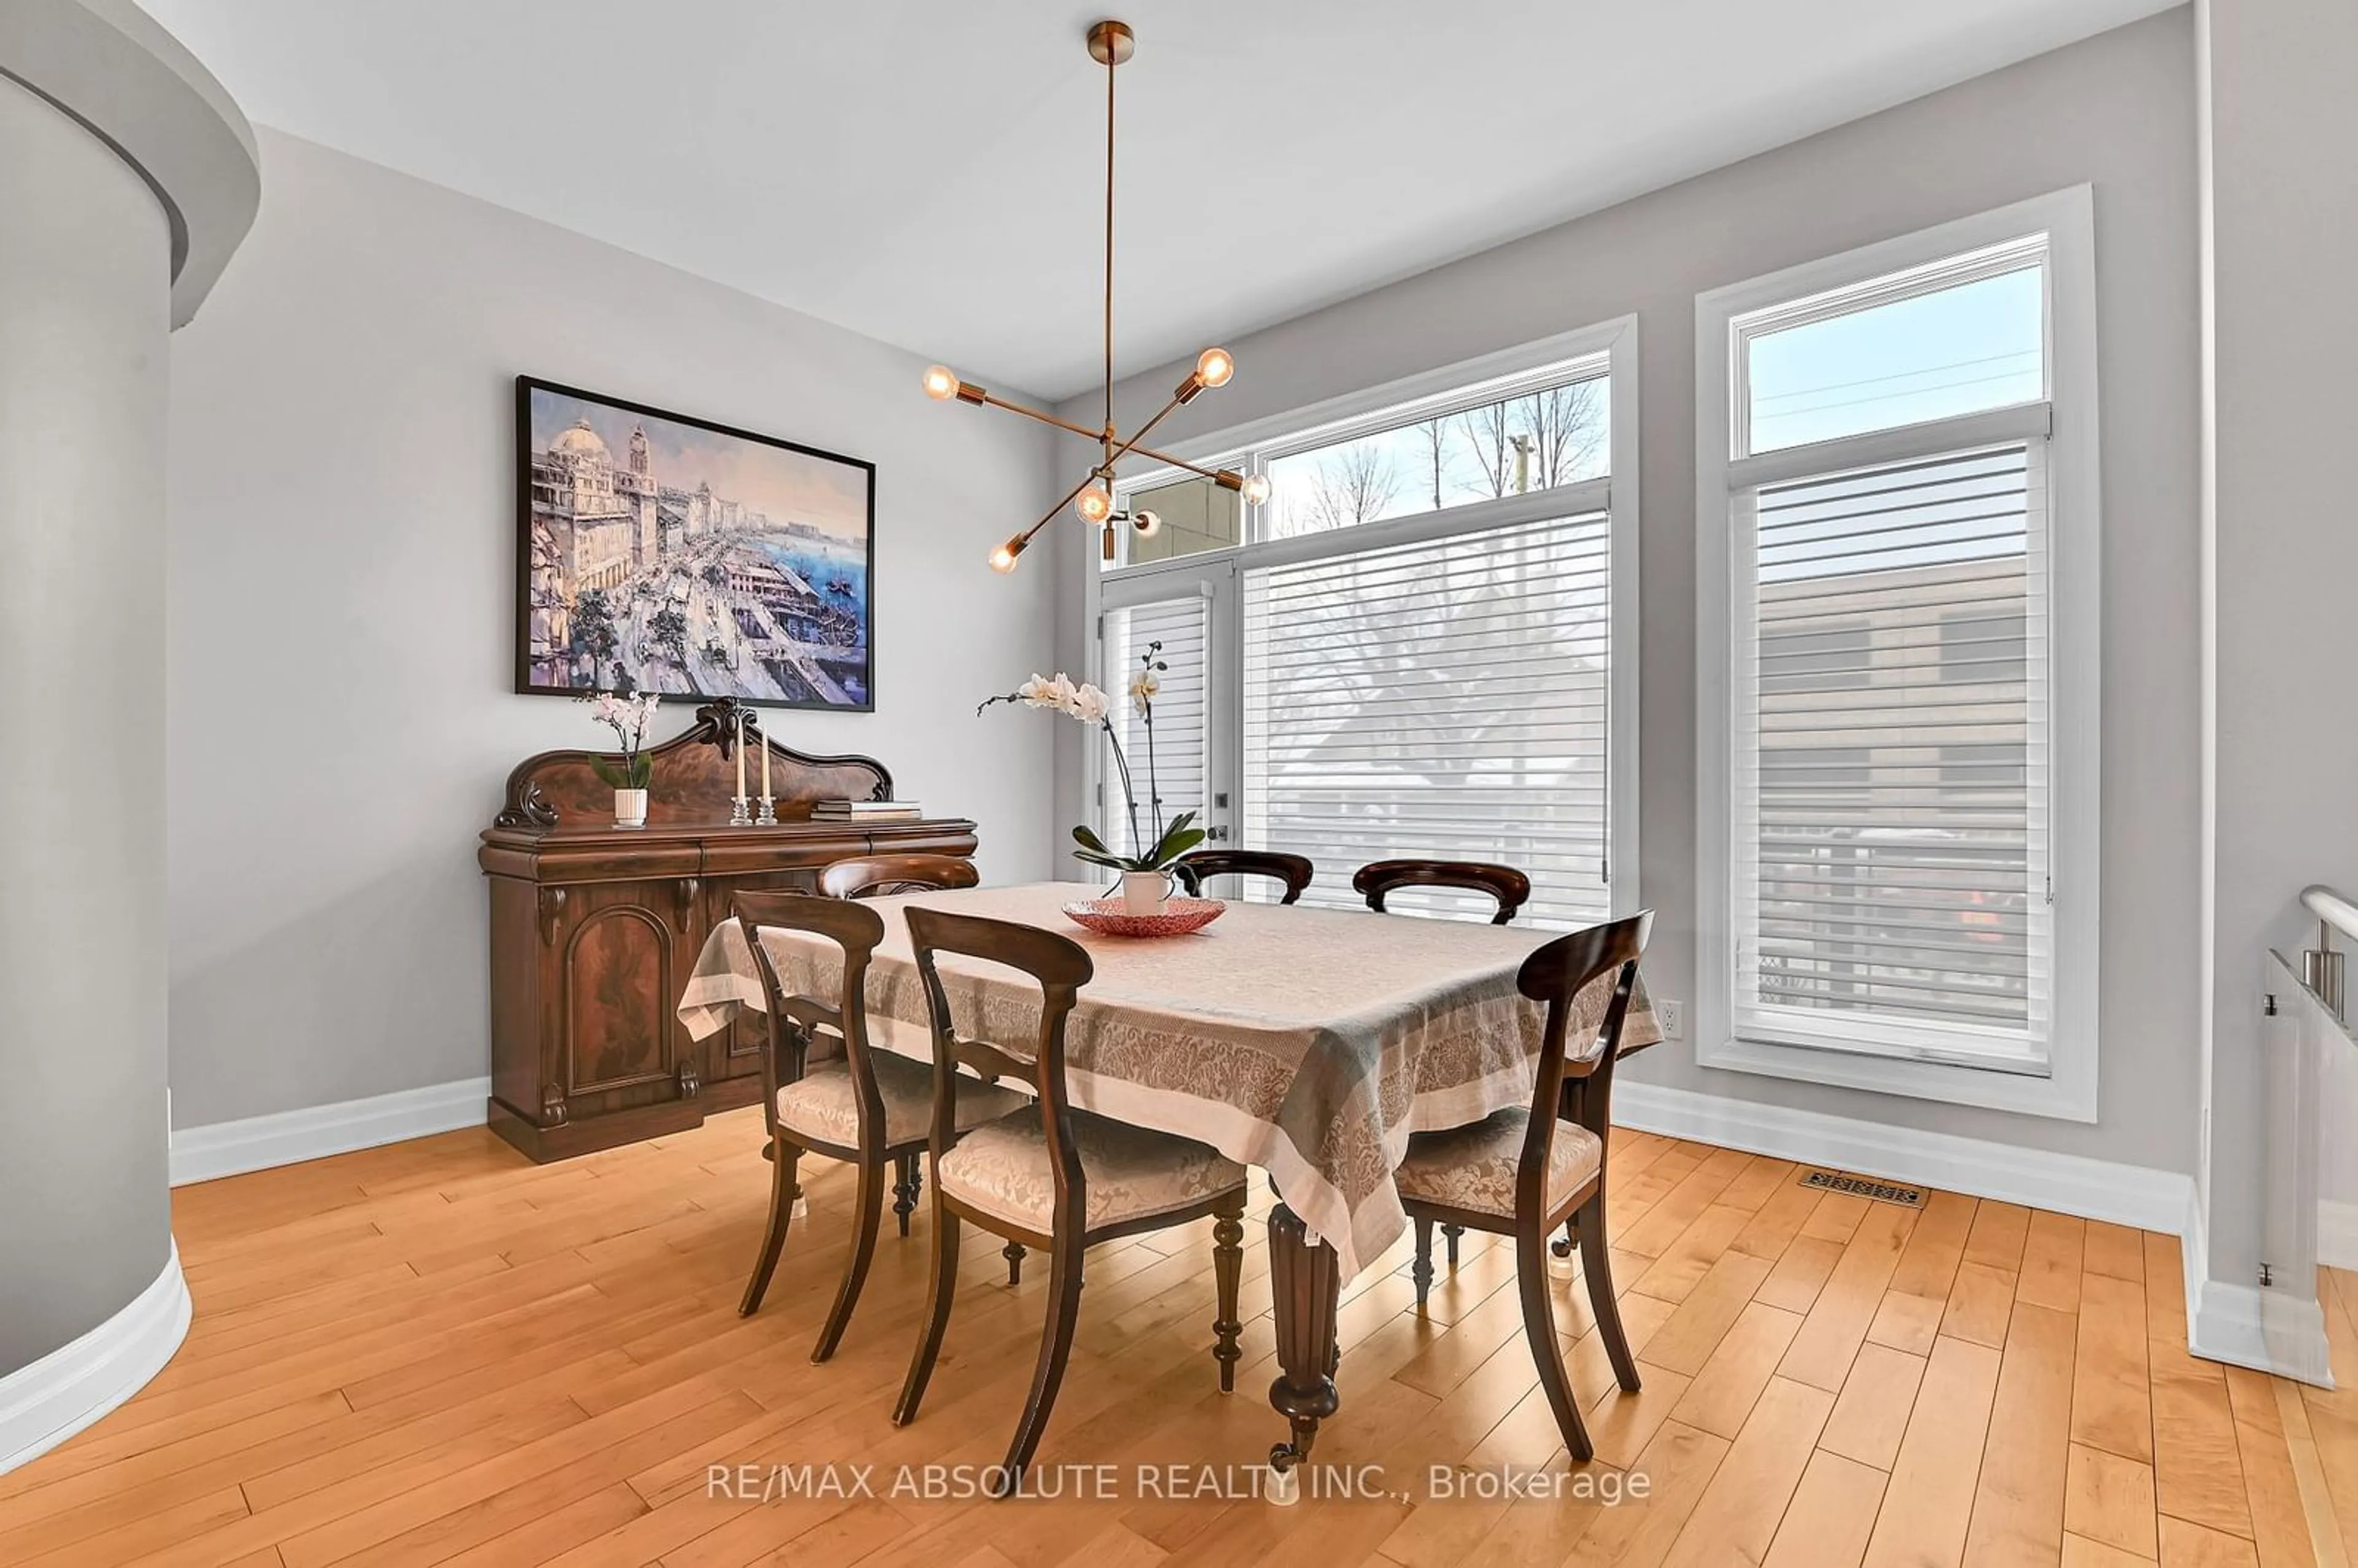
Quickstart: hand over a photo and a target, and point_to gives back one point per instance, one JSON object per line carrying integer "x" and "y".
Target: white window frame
{"x": 2067, "y": 1089}
{"x": 1337, "y": 418}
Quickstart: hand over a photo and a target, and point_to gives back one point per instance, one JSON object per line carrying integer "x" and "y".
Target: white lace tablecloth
{"x": 1308, "y": 1042}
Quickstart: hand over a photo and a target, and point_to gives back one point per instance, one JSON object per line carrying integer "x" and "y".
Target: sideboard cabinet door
{"x": 617, "y": 966}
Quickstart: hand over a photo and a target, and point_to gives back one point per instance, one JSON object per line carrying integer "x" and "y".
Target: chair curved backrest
{"x": 794, "y": 1015}
{"x": 870, "y": 875}
{"x": 1061, "y": 967}
{"x": 1554, "y": 976}
{"x": 1294, "y": 870}
{"x": 1507, "y": 885}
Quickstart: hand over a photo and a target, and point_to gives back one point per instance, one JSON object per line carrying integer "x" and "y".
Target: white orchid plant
{"x": 1086, "y": 703}
{"x": 630, "y": 717}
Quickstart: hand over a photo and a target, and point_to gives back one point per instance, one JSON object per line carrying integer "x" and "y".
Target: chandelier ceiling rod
{"x": 1115, "y": 47}
{"x": 1110, "y": 43}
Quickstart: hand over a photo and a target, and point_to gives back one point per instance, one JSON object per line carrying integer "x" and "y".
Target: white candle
{"x": 739, "y": 718}
{"x": 765, "y": 767}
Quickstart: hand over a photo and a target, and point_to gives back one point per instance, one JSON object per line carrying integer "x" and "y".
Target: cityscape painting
{"x": 659, "y": 552}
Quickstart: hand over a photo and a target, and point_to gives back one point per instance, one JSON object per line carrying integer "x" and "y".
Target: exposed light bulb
{"x": 1003, "y": 559}
{"x": 1094, "y": 503}
{"x": 1255, "y": 489}
{"x": 1214, "y": 366}
{"x": 1148, "y": 524}
{"x": 941, "y": 383}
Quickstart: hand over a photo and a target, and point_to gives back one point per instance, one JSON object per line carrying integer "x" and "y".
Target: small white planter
{"x": 1144, "y": 892}
{"x": 630, "y": 808}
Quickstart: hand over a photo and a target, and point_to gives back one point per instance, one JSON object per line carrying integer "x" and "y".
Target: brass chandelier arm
{"x": 1139, "y": 434}
{"x": 1117, "y": 452}
{"x": 995, "y": 401}
{"x": 1227, "y": 479}
{"x": 1026, "y": 536}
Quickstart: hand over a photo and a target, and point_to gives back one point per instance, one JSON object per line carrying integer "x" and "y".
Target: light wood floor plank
{"x": 1721, "y": 1398}
{"x": 1871, "y": 1416}
{"x": 1928, "y": 1264}
{"x": 2114, "y": 1251}
{"x": 2185, "y": 1545}
{"x": 1940, "y": 1461}
{"x": 1680, "y": 1463}
{"x": 1831, "y": 1516}
{"x": 2197, "y": 1468}
{"x": 2052, "y": 1256}
{"x": 2109, "y": 1499}
{"x": 1738, "y": 1512}
{"x": 2112, "y": 1387}
{"x": 2018, "y": 1507}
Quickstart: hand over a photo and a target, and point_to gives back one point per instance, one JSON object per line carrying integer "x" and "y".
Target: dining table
{"x": 1311, "y": 1043}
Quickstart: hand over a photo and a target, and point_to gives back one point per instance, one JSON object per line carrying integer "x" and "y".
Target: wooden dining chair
{"x": 866, "y": 1108}
{"x": 1197, "y": 867}
{"x": 1521, "y": 1171}
{"x": 873, "y": 875}
{"x": 1504, "y": 883}
{"x": 1508, "y": 886}
{"x": 1051, "y": 1176}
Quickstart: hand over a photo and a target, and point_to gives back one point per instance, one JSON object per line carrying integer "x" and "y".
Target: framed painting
{"x": 659, "y": 552}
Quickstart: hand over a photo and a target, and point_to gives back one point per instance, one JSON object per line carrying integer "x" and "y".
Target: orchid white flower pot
{"x": 630, "y": 808}
{"x": 1145, "y": 892}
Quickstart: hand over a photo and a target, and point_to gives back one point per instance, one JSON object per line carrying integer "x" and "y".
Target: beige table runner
{"x": 1309, "y": 1042}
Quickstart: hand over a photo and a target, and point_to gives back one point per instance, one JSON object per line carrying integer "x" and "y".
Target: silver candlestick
{"x": 741, "y": 814}
{"x": 769, "y": 818}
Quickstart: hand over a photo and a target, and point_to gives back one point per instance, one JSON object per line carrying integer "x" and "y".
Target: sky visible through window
{"x": 1979, "y": 345}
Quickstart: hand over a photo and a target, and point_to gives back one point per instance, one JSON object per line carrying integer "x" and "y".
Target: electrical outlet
{"x": 1672, "y": 1017}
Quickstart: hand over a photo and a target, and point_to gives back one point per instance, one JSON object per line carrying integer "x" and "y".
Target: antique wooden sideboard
{"x": 595, "y": 928}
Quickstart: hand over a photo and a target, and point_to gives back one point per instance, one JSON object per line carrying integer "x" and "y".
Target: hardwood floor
{"x": 438, "y": 1353}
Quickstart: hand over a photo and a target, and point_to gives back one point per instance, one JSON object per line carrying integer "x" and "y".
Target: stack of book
{"x": 867, "y": 810}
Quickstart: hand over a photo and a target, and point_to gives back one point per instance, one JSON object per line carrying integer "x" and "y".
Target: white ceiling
{"x": 927, "y": 171}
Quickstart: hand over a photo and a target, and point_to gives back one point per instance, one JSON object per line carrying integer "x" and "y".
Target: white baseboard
{"x": 289, "y": 1137}
{"x": 2244, "y": 1325}
{"x": 2064, "y": 1183}
{"x": 45, "y": 1404}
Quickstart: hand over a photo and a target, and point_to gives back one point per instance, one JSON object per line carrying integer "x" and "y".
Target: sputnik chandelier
{"x": 1110, "y": 43}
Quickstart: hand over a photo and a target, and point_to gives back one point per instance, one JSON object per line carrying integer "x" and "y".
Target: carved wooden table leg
{"x": 1303, "y": 1283}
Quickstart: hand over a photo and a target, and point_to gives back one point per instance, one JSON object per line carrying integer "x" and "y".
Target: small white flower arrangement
{"x": 630, "y": 717}
{"x": 1091, "y": 706}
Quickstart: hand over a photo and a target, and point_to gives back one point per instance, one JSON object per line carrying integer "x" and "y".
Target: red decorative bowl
{"x": 1179, "y": 916}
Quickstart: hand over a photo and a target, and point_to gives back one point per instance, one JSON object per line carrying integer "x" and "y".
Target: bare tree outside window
{"x": 1433, "y": 439}
{"x": 1352, "y": 485}
{"x": 1535, "y": 442}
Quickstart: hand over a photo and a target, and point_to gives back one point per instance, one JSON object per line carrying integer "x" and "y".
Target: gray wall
{"x": 85, "y": 286}
{"x": 342, "y": 604}
{"x": 2116, "y": 110}
{"x": 2280, "y": 248}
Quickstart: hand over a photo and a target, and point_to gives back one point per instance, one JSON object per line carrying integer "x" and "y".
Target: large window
{"x": 1898, "y": 530}
{"x": 1417, "y": 646}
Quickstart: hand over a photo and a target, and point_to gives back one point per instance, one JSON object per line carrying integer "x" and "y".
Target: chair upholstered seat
{"x": 1473, "y": 1167}
{"x": 823, "y": 1105}
{"x": 1001, "y": 1168}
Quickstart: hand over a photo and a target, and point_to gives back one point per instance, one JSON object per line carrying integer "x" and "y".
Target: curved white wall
{"x": 97, "y": 239}
{"x": 85, "y": 299}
